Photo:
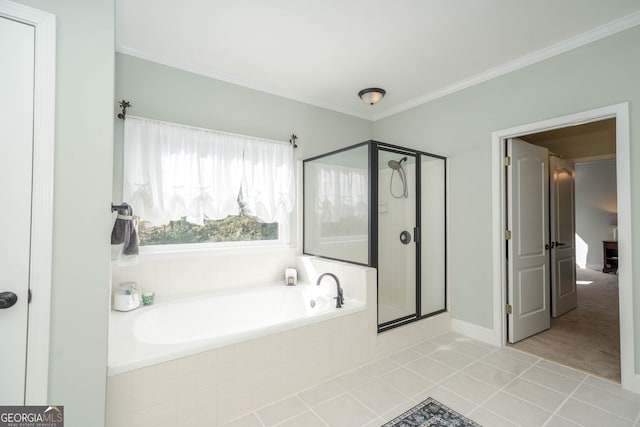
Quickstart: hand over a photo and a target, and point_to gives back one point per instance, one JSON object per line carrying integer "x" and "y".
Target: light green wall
{"x": 165, "y": 93}
{"x": 459, "y": 126}
{"x": 595, "y": 200}
{"x": 82, "y": 220}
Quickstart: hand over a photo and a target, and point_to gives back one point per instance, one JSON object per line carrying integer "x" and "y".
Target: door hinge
{"x": 508, "y": 309}
{"x": 507, "y": 234}
{"x": 507, "y": 161}
{"x": 29, "y": 297}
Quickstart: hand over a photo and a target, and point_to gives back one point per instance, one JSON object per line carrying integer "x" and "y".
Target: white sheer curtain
{"x": 268, "y": 181}
{"x": 173, "y": 171}
{"x": 342, "y": 192}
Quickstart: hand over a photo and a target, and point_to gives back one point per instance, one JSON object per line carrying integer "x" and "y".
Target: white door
{"x": 16, "y": 146}
{"x": 564, "y": 296}
{"x": 528, "y": 250}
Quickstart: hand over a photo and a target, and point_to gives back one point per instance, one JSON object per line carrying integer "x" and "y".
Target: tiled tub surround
{"x": 180, "y": 327}
{"x": 215, "y": 386}
{"x": 177, "y": 326}
{"x": 183, "y": 273}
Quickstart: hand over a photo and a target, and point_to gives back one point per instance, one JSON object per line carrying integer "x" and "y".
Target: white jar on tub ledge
{"x": 127, "y": 297}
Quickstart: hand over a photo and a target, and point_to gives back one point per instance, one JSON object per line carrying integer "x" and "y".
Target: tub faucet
{"x": 339, "y": 298}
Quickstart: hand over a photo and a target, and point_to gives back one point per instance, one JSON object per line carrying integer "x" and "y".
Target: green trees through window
{"x": 231, "y": 229}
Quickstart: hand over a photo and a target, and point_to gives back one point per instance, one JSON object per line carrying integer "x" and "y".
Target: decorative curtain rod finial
{"x": 124, "y": 105}
{"x": 293, "y": 140}
{"x": 115, "y": 208}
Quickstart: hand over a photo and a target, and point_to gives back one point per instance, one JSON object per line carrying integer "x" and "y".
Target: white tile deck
{"x": 494, "y": 387}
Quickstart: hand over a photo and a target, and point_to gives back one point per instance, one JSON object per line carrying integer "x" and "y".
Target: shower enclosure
{"x": 383, "y": 206}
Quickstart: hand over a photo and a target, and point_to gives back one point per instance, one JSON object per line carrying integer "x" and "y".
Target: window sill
{"x": 208, "y": 250}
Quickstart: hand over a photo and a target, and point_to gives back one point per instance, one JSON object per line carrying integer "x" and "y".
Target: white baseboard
{"x": 479, "y": 333}
{"x": 633, "y": 384}
{"x": 595, "y": 267}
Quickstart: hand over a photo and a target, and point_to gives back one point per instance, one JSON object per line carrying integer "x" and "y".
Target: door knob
{"x": 7, "y": 299}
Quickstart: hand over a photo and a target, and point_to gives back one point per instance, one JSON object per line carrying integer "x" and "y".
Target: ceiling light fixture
{"x": 372, "y": 95}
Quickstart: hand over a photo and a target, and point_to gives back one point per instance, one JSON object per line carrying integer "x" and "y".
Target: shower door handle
{"x": 416, "y": 234}
{"x": 405, "y": 237}
{"x": 7, "y": 299}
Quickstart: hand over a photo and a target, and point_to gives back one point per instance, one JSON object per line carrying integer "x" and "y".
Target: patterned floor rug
{"x": 433, "y": 414}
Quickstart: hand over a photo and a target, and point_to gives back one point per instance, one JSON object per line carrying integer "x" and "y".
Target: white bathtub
{"x": 180, "y": 327}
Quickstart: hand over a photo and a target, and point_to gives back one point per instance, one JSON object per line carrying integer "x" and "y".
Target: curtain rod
{"x": 124, "y": 104}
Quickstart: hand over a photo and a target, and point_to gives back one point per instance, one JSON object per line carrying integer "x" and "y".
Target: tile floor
{"x": 492, "y": 386}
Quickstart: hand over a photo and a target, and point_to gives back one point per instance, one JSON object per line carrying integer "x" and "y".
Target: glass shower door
{"x": 364, "y": 204}
{"x": 397, "y": 251}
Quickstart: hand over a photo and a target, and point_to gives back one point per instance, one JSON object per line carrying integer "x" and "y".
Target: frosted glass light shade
{"x": 372, "y": 95}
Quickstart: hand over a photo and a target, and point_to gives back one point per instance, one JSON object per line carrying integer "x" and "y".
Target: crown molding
{"x": 582, "y": 39}
{"x": 236, "y": 80}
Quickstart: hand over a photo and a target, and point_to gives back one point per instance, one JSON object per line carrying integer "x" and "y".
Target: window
{"x": 190, "y": 185}
{"x": 238, "y": 228}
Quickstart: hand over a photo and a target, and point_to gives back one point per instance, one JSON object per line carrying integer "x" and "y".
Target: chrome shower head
{"x": 396, "y": 165}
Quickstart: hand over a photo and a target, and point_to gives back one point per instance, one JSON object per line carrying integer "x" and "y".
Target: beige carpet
{"x": 588, "y": 337}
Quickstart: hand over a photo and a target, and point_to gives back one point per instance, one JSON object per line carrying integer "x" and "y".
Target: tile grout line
{"x": 412, "y": 399}
{"x": 589, "y": 374}
{"x": 498, "y": 415}
{"x": 255, "y": 411}
{"x": 602, "y": 409}
{"x": 368, "y": 408}
{"x": 570, "y": 395}
{"x": 481, "y": 405}
{"x": 309, "y": 409}
{"x": 255, "y": 414}
{"x": 346, "y": 391}
{"x": 435, "y": 383}
{"x": 536, "y": 363}
{"x": 512, "y": 358}
{"x": 565, "y": 401}
{"x": 459, "y": 371}
{"x": 584, "y": 382}
{"x": 378, "y": 378}
{"x": 546, "y": 386}
{"x": 595, "y": 385}
{"x": 399, "y": 391}
{"x": 561, "y": 374}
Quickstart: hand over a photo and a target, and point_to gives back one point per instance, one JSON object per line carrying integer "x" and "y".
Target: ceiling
{"x": 589, "y": 141}
{"x": 323, "y": 52}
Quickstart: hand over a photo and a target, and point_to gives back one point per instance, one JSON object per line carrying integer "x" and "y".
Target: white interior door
{"x": 564, "y": 296}
{"x": 16, "y": 149}
{"x": 528, "y": 250}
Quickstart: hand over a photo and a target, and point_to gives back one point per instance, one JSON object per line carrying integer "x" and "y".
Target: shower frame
{"x": 373, "y": 148}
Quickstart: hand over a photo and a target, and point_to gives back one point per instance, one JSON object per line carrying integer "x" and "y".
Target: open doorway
{"x": 586, "y": 334}
{"x": 630, "y": 381}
